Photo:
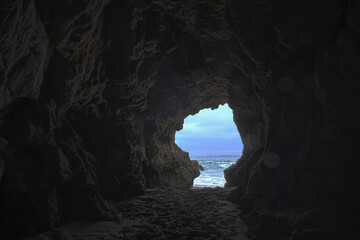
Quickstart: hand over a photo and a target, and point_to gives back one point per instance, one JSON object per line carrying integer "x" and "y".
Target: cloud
{"x": 208, "y": 127}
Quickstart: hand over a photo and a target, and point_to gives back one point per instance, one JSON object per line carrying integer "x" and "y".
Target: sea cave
{"x": 93, "y": 92}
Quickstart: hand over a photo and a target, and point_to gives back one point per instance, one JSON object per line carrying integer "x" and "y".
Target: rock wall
{"x": 296, "y": 83}
{"x": 92, "y": 93}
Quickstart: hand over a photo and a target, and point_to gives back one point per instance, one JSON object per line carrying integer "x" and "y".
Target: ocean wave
{"x": 214, "y": 165}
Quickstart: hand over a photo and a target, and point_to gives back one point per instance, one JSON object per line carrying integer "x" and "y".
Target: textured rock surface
{"x": 92, "y": 93}
{"x": 163, "y": 213}
{"x": 297, "y": 108}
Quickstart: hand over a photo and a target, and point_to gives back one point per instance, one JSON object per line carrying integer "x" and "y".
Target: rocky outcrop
{"x": 198, "y": 165}
{"x": 92, "y": 93}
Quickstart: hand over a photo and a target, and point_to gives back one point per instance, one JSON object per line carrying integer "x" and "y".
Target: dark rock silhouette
{"x": 92, "y": 93}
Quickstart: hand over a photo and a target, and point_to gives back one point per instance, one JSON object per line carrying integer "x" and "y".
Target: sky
{"x": 210, "y": 131}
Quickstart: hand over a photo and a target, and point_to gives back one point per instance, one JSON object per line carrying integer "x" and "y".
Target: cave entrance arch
{"x": 211, "y": 138}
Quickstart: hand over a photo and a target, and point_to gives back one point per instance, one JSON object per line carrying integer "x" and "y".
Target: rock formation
{"x": 92, "y": 93}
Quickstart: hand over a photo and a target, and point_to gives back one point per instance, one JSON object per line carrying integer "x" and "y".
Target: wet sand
{"x": 162, "y": 213}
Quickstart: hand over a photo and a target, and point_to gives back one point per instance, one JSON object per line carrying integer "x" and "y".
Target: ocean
{"x": 214, "y": 164}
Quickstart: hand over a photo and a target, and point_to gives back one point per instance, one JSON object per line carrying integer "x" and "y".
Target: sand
{"x": 162, "y": 213}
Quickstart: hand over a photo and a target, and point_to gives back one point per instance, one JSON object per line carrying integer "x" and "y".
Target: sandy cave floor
{"x": 162, "y": 213}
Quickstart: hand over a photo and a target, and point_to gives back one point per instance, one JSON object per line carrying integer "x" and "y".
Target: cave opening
{"x": 211, "y": 138}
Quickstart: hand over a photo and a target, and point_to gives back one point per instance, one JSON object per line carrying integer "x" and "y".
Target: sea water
{"x": 214, "y": 164}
